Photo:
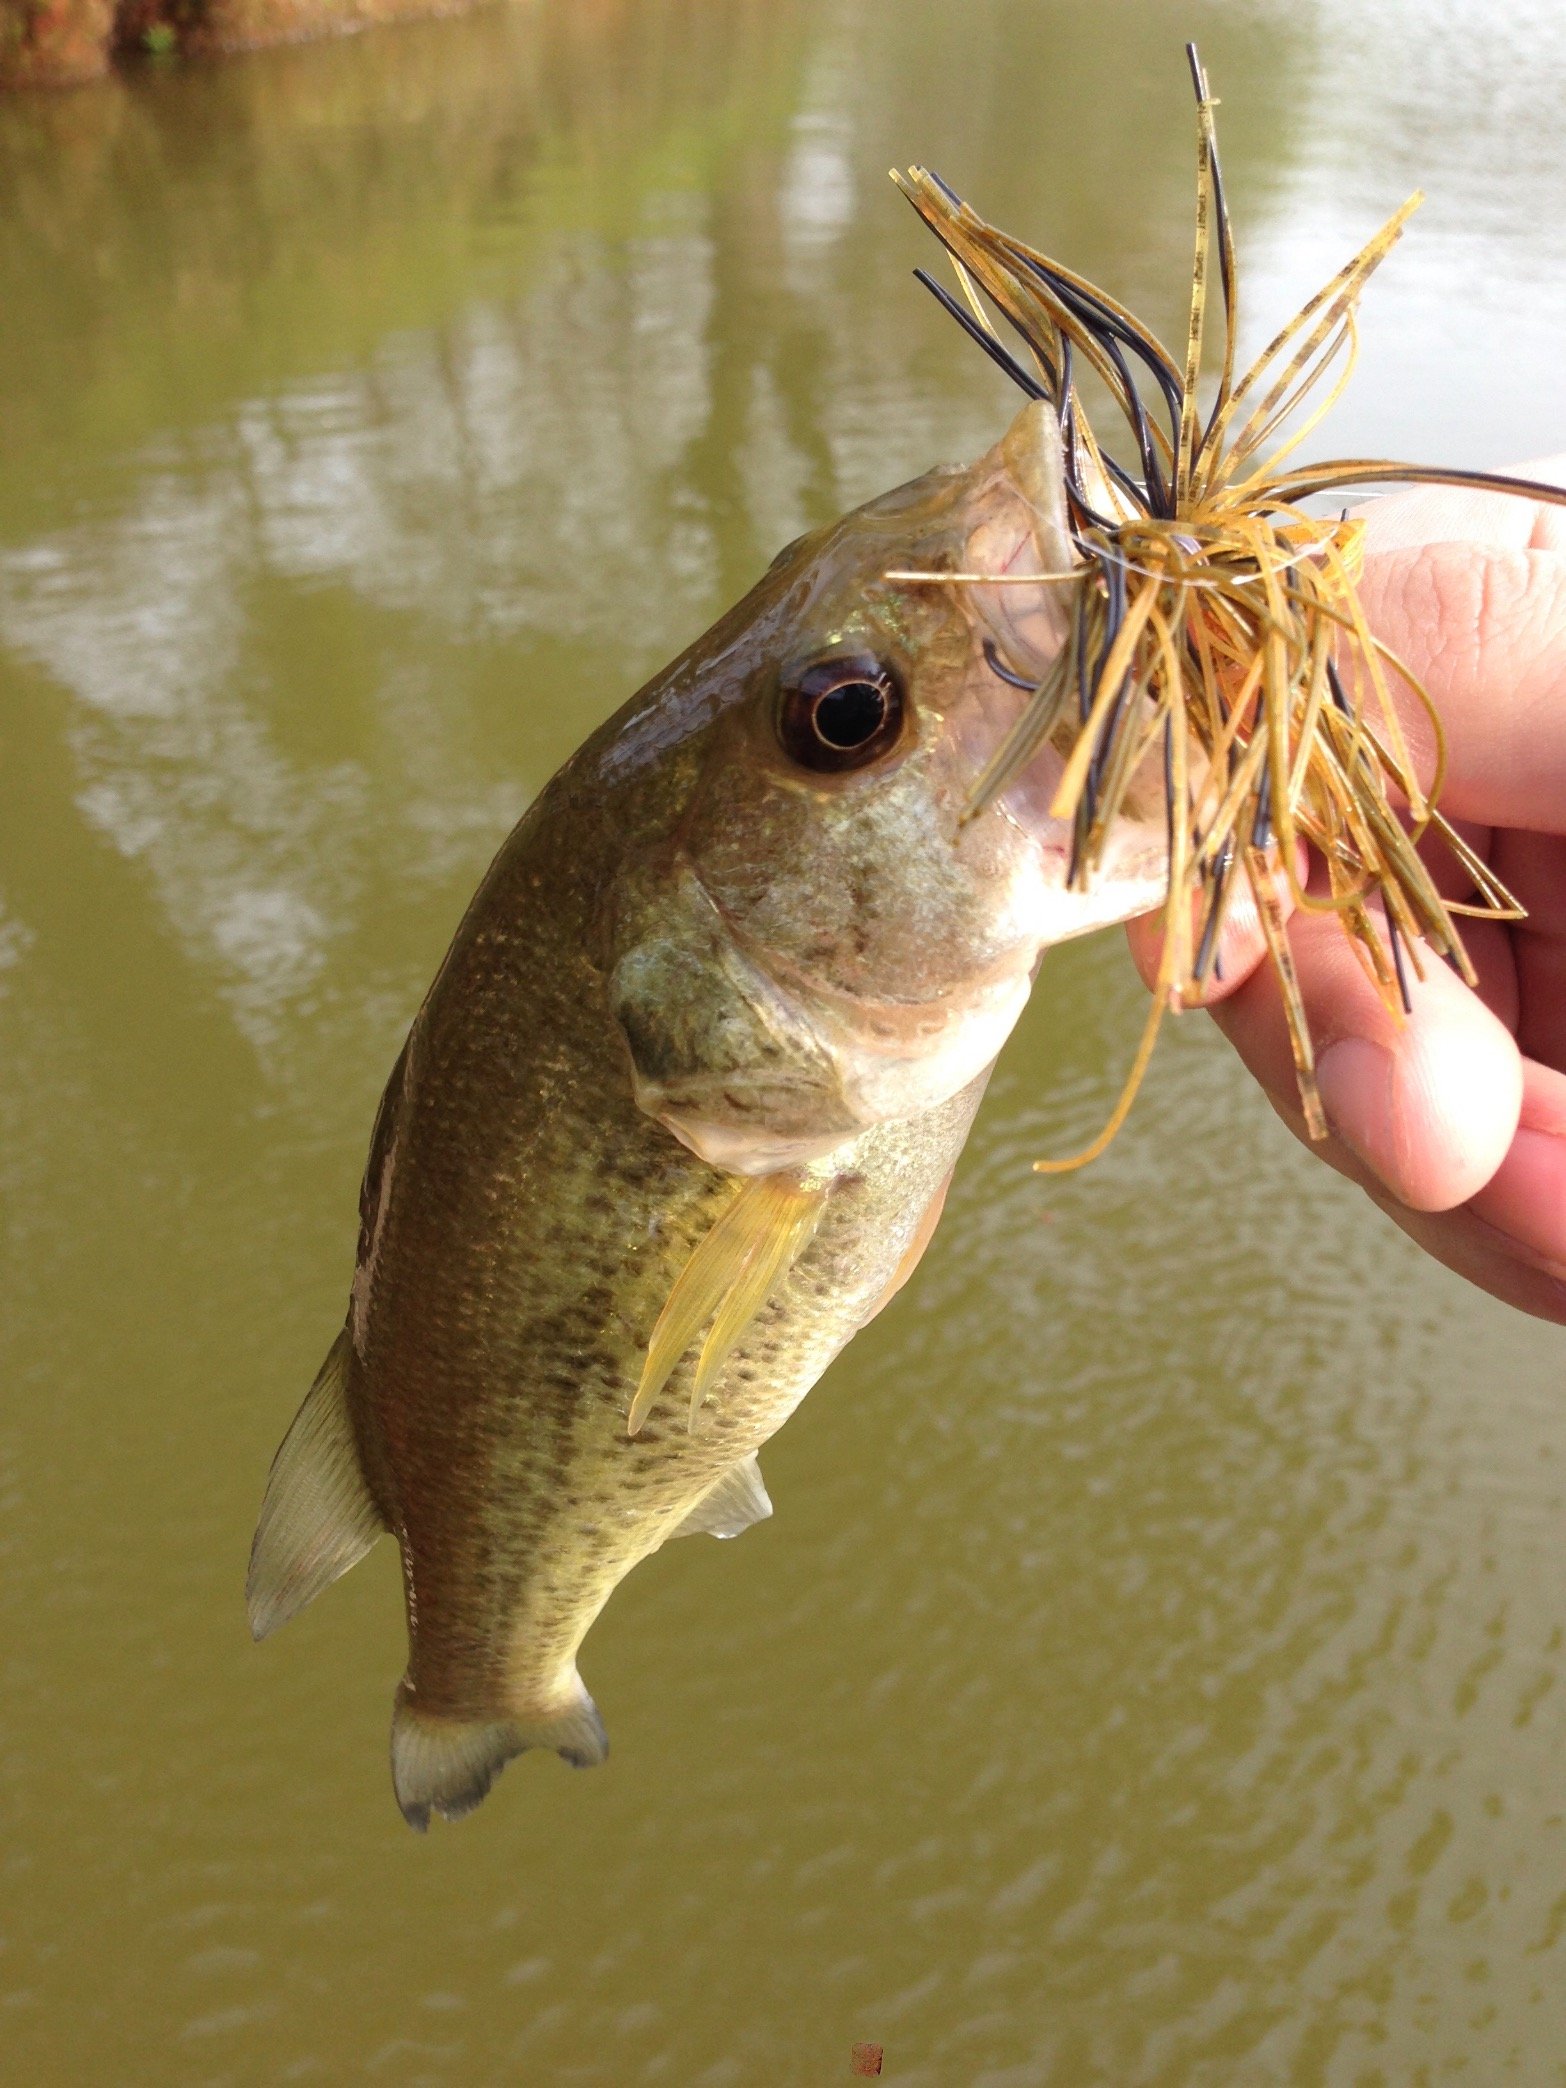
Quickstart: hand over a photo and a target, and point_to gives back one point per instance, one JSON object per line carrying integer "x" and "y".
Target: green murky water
{"x": 1153, "y": 1671}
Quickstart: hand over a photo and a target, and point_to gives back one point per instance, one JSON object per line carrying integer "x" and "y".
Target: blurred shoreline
{"x": 63, "y": 42}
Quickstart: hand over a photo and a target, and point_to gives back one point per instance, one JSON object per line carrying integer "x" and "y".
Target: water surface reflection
{"x": 1152, "y": 1673}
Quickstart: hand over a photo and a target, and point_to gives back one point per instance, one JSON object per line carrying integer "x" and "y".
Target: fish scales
{"x": 678, "y": 1113}
{"x": 587, "y": 1213}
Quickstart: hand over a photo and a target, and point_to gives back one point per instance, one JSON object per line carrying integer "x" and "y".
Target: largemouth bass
{"x": 678, "y": 1114}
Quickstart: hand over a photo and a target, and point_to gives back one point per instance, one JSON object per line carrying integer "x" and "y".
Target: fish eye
{"x": 841, "y": 713}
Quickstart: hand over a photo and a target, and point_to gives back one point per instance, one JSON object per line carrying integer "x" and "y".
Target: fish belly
{"x": 520, "y": 1500}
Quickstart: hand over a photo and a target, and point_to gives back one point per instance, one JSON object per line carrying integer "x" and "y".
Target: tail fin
{"x": 446, "y": 1765}
{"x": 317, "y": 1519}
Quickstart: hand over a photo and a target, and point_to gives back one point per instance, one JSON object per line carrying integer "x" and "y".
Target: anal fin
{"x": 738, "y": 1500}
{"x": 318, "y": 1518}
{"x": 446, "y": 1765}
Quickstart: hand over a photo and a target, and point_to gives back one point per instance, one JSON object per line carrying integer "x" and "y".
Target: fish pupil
{"x": 840, "y": 713}
{"x": 848, "y": 716}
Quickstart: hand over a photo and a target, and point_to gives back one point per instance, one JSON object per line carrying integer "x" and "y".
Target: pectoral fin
{"x": 728, "y": 1280}
{"x": 738, "y": 1500}
{"x": 318, "y": 1518}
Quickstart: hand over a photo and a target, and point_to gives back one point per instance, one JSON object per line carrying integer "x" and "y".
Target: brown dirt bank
{"x": 54, "y": 43}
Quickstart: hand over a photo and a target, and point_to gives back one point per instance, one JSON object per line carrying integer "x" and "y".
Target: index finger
{"x": 1469, "y": 590}
{"x": 1470, "y": 515}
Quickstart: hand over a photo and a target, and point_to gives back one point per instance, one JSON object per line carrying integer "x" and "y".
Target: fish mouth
{"x": 1022, "y": 532}
{"x": 1130, "y": 878}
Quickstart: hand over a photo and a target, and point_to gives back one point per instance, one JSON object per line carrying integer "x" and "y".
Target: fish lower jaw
{"x": 1065, "y": 914}
{"x": 1132, "y": 878}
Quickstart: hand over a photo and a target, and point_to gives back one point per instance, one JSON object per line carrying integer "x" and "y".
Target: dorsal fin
{"x": 318, "y": 1518}
{"x": 738, "y": 1500}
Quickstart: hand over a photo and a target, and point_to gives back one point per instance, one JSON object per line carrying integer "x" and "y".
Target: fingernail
{"x": 1354, "y": 1080}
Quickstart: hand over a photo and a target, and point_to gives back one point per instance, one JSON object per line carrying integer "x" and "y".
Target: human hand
{"x": 1454, "y": 1120}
